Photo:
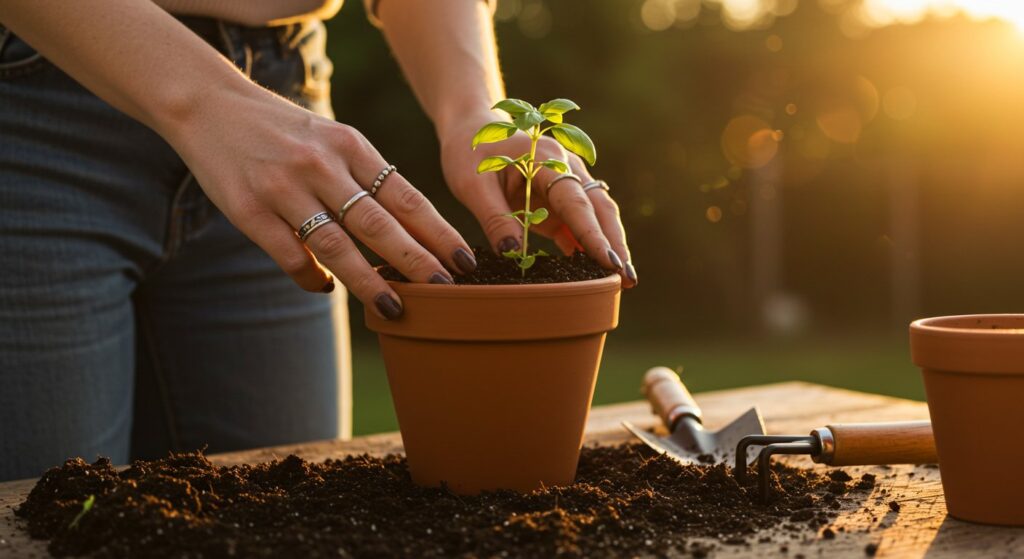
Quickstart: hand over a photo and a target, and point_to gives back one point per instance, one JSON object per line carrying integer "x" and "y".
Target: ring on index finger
{"x": 556, "y": 180}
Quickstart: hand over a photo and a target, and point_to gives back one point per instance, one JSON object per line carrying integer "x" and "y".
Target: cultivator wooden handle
{"x": 668, "y": 397}
{"x": 869, "y": 444}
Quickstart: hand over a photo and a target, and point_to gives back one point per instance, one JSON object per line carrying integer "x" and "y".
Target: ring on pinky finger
{"x": 596, "y": 184}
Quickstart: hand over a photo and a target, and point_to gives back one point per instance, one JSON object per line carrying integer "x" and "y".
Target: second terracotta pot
{"x": 973, "y": 369}
{"x": 492, "y": 384}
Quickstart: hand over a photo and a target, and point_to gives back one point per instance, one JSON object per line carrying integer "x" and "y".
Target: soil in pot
{"x": 626, "y": 501}
{"x": 494, "y": 269}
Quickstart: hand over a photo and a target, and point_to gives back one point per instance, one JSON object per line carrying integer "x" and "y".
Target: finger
{"x": 567, "y": 199}
{"x": 374, "y": 226}
{"x": 485, "y": 198}
{"x": 278, "y": 240}
{"x": 419, "y": 217}
{"x": 608, "y": 216}
{"x": 338, "y": 253}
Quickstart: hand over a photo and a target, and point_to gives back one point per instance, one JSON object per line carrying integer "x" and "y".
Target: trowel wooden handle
{"x": 866, "y": 444}
{"x": 668, "y": 397}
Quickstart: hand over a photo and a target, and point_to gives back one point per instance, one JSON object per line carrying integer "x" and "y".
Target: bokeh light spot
{"x": 773, "y": 43}
{"x": 658, "y": 15}
{"x": 841, "y": 124}
{"x": 790, "y": 109}
{"x": 749, "y": 142}
{"x": 714, "y": 214}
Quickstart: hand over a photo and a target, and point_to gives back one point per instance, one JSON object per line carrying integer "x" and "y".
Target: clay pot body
{"x": 492, "y": 384}
{"x": 973, "y": 369}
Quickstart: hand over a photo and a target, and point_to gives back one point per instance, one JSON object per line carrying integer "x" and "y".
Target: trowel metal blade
{"x": 721, "y": 445}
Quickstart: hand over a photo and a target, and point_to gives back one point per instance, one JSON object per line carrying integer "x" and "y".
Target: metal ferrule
{"x": 679, "y": 412}
{"x": 827, "y": 443}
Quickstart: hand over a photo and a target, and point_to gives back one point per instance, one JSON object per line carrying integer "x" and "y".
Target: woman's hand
{"x": 270, "y": 165}
{"x": 588, "y": 221}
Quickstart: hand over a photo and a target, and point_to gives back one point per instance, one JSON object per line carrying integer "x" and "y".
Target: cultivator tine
{"x": 772, "y": 444}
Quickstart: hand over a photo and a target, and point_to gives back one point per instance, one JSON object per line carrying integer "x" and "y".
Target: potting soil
{"x": 626, "y": 501}
{"x": 492, "y": 269}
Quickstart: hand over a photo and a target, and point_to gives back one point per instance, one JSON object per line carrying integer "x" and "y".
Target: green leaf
{"x": 527, "y": 263}
{"x": 86, "y": 507}
{"x": 494, "y": 132}
{"x": 528, "y": 119}
{"x": 542, "y": 253}
{"x": 538, "y": 216}
{"x": 514, "y": 107}
{"x": 576, "y": 141}
{"x": 556, "y": 165}
{"x": 494, "y": 163}
{"x": 513, "y": 254}
{"x": 555, "y": 108}
{"x": 515, "y": 213}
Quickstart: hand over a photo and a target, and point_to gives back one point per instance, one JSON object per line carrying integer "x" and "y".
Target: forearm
{"x": 132, "y": 54}
{"x": 447, "y": 51}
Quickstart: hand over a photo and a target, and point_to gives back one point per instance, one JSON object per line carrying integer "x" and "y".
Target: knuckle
{"x": 412, "y": 201}
{"x": 608, "y": 205}
{"x": 332, "y": 244}
{"x": 364, "y": 285}
{"x": 575, "y": 200}
{"x": 495, "y": 224}
{"x": 294, "y": 263}
{"x": 349, "y": 139}
{"x": 419, "y": 260}
{"x": 374, "y": 221}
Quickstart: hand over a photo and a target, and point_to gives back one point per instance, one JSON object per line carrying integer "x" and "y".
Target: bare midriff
{"x": 254, "y": 13}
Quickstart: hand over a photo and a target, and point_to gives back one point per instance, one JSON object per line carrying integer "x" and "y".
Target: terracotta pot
{"x": 973, "y": 370}
{"x": 492, "y": 384}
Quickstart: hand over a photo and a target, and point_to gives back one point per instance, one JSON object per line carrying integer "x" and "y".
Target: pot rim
{"x": 936, "y": 325}
{"x": 507, "y": 291}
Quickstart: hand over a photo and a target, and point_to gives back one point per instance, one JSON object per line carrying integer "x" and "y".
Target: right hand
{"x": 269, "y": 165}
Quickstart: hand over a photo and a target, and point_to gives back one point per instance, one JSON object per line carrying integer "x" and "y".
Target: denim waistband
{"x": 231, "y": 38}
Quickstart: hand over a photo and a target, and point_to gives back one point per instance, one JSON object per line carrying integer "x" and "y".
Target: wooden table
{"x": 921, "y": 528}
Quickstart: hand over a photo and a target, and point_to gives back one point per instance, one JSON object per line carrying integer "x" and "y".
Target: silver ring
{"x": 351, "y": 202}
{"x": 380, "y": 178}
{"x": 560, "y": 178}
{"x": 312, "y": 224}
{"x": 596, "y": 184}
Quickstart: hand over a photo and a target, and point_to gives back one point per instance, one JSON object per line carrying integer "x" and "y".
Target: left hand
{"x": 587, "y": 221}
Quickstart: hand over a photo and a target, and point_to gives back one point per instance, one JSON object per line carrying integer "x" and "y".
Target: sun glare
{"x": 886, "y": 12}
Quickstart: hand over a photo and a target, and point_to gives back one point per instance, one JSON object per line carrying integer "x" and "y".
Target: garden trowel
{"x": 688, "y": 441}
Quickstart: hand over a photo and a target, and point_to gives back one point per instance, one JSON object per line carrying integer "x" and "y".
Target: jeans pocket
{"x": 17, "y": 58}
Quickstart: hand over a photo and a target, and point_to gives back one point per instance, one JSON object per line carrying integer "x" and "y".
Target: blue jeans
{"x": 134, "y": 318}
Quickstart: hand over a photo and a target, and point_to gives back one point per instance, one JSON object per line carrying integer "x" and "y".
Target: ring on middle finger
{"x": 351, "y": 202}
{"x": 312, "y": 224}
{"x": 555, "y": 181}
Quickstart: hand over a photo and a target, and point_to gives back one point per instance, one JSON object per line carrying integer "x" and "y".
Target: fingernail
{"x": 464, "y": 261}
{"x": 631, "y": 273}
{"x": 438, "y": 277}
{"x": 507, "y": 244}
{"x": 388, "y": 306}
{"x": 328, "y": 287}
{"x": 615, "y": 259}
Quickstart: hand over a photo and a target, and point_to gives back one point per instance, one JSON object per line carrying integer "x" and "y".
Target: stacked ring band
{"x": 596, "y": 184}
{"x": 561, "y": 178}
{"x": 351, "y": 202}
{"x": 313, "y": 223}
{"x": 380, "y": 179}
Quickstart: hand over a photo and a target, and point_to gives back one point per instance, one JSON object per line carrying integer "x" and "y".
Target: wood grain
{"x": 920, "y": 528}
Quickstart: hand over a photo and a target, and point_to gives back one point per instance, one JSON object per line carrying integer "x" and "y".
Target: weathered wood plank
{"x": 921, "y": 528}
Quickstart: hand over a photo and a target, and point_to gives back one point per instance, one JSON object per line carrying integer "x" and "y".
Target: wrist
{"x": 176, "y": 111}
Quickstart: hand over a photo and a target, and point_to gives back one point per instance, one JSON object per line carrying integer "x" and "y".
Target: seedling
{"x": 86, "y": 507}
{"x": 531, "y": 120}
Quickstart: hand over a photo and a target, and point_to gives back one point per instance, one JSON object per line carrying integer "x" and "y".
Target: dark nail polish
{"x": 615, "y": 259}
{"x": 388, "y": 306}
{"x": 631, "y": 273}
{"x": 464, "y": 261}
{"x": 438, "y": 277}
{"x": 328, "y": 287}
{"x": 507, "y": 244}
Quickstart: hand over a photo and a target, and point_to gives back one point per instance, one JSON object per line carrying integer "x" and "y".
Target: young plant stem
{"x": 534, "y": 137}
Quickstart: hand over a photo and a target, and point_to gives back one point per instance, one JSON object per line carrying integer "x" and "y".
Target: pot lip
{"x": 611, "y": 282}
{"x": 942, "y": 326}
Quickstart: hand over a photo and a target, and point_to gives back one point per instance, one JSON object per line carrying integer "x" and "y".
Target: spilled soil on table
{"x": 626, "y": 501}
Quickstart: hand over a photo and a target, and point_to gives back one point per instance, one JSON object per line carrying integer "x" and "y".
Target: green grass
{"x": 871, "y": 365}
